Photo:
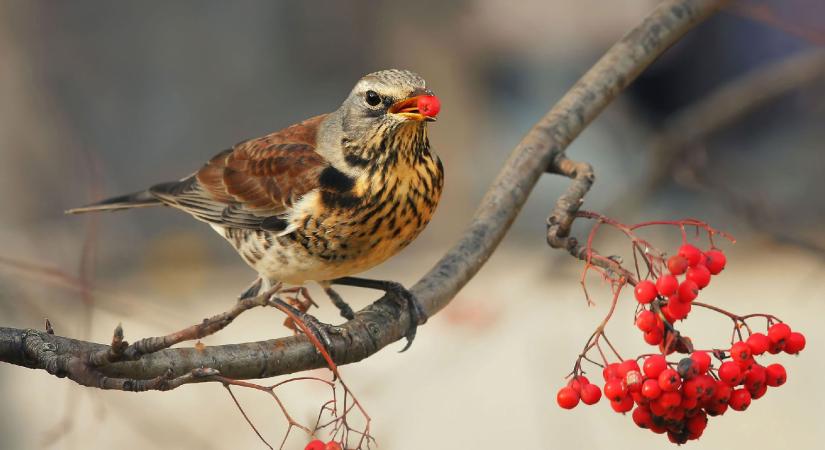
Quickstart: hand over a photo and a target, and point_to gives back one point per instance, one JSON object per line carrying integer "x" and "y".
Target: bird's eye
{"x": 373, "y": 98}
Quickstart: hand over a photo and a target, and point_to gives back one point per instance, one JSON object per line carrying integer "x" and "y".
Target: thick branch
{"x": 384, "y": 322}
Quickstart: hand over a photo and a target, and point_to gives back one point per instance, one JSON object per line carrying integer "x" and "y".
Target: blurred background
{"x": 98, "y": 99}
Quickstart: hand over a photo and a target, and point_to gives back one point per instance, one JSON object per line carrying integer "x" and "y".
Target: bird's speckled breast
{"x": 386, "y": 209}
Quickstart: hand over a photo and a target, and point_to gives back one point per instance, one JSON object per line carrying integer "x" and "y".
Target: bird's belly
{"x": 345, "y": 243}
{"x": 324, "y": 253}
{"x": 276, "y": 258}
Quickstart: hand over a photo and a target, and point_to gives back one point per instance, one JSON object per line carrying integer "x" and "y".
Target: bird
{"x": 324, "y": 199}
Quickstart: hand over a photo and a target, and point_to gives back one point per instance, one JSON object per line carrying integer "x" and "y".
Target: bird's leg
{"x": 417, "y": 314}
{"x": 253, "y": 290}
{"x": 343, "y": 307}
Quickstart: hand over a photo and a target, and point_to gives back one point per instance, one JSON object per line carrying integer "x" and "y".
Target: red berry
{"x": 645, "y": 291}
{"x": 689, "y": 403}
{"x": 729, "y": 372}
{"x": 638, "y": 398}
{"x": 759, "y": 343}
{"x": 740, "y": 399}
{"x": 591, "y": 394}
{"x": 656, "y": 408}
{"x": 776, "y": 347}
{"x": 692, "y": 254}
{"x": 722, "y": 393}
{"x": 315, "y": 444}
{"x": 675, "y": 414}
{"x": 429, "y": 105}
{"x": 746, "y": 364}
{"x": 623, "y": 405}
{"x": 699, "y": 274}
{"x": 611, "y": 371}
{"x": 628, "y": 366}
{"x": 691, "y": 389}
{"x": 688, "y": 291}
{"x": 633, "y": 381}
{"x": 687, "y": 368}
{"x": 676, "y": 309}
{"x": 705, "y": 386}
{"x": 677, "y": 264}
{"x": 669, "y": 380}
{"x": 646, "y": 321}
{"x": 614, "y": 390}
{"x": 740, "y": 352}
{"x": 670, "y": 400}
{"x": 795, "y": 343}
{"x": 755, "y": 378}
{"x": 642, "y": 417}
{"x": 715, "y": 261}
{"x": 778, "y": 332}
{"x": 567, "y": 398}
{"x": 775, "y": 375}
{"x": 332, "y": 445}
{"x": 676, "y": 438}
{"x": 701, "y": 360}
{"x": 716, "y": 409}
{"x": 578, "y": 382}
{"x": 758, "y": 393}
{"x": 696, "y": 424}
{"x": 654, "y": 365}
{"x": 654, "y": 337}
{"x": 651, "y": 389}
{"x": 666, "y": 285}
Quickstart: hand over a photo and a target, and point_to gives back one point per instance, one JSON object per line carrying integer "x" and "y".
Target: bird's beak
{"x": 409, "y": 108}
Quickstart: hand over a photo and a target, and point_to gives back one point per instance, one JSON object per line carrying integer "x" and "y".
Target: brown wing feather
{"x": 255, "y": 180}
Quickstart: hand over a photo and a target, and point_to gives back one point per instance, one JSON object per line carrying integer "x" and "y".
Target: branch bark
{"x": 385, "y": 322}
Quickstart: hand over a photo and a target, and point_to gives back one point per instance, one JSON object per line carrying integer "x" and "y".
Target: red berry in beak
{"x": 429, "y": 105}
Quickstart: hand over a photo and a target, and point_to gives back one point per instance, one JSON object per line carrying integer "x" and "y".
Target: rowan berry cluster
{"x": 317, "y": 444}
{"x": 677, "y": 396}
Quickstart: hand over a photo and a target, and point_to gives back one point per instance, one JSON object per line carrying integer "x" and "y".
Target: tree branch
{"x": 385, "y": 322}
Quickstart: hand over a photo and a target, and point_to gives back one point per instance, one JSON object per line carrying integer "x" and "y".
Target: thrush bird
{"x": 323, "y": 199}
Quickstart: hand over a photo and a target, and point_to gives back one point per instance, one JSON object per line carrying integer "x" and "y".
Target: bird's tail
{"x": 139, "y": 199}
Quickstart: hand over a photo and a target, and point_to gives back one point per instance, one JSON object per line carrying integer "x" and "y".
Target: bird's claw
{"x": 418, "y": 316}
{"x": 319, "y": 329}
{"x": 405, "y": 298}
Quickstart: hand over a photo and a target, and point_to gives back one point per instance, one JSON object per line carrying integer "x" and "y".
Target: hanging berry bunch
{"x": 668, "y": 394}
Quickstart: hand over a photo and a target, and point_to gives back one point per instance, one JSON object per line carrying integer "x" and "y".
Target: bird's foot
{"x": 418, "y": 316}
{"x": 320, "y": 330}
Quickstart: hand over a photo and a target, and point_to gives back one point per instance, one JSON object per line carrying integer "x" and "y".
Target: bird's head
{"x": 386, "y": 112}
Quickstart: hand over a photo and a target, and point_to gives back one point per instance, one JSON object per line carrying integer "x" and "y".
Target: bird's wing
{"x": 254, "y": 184}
